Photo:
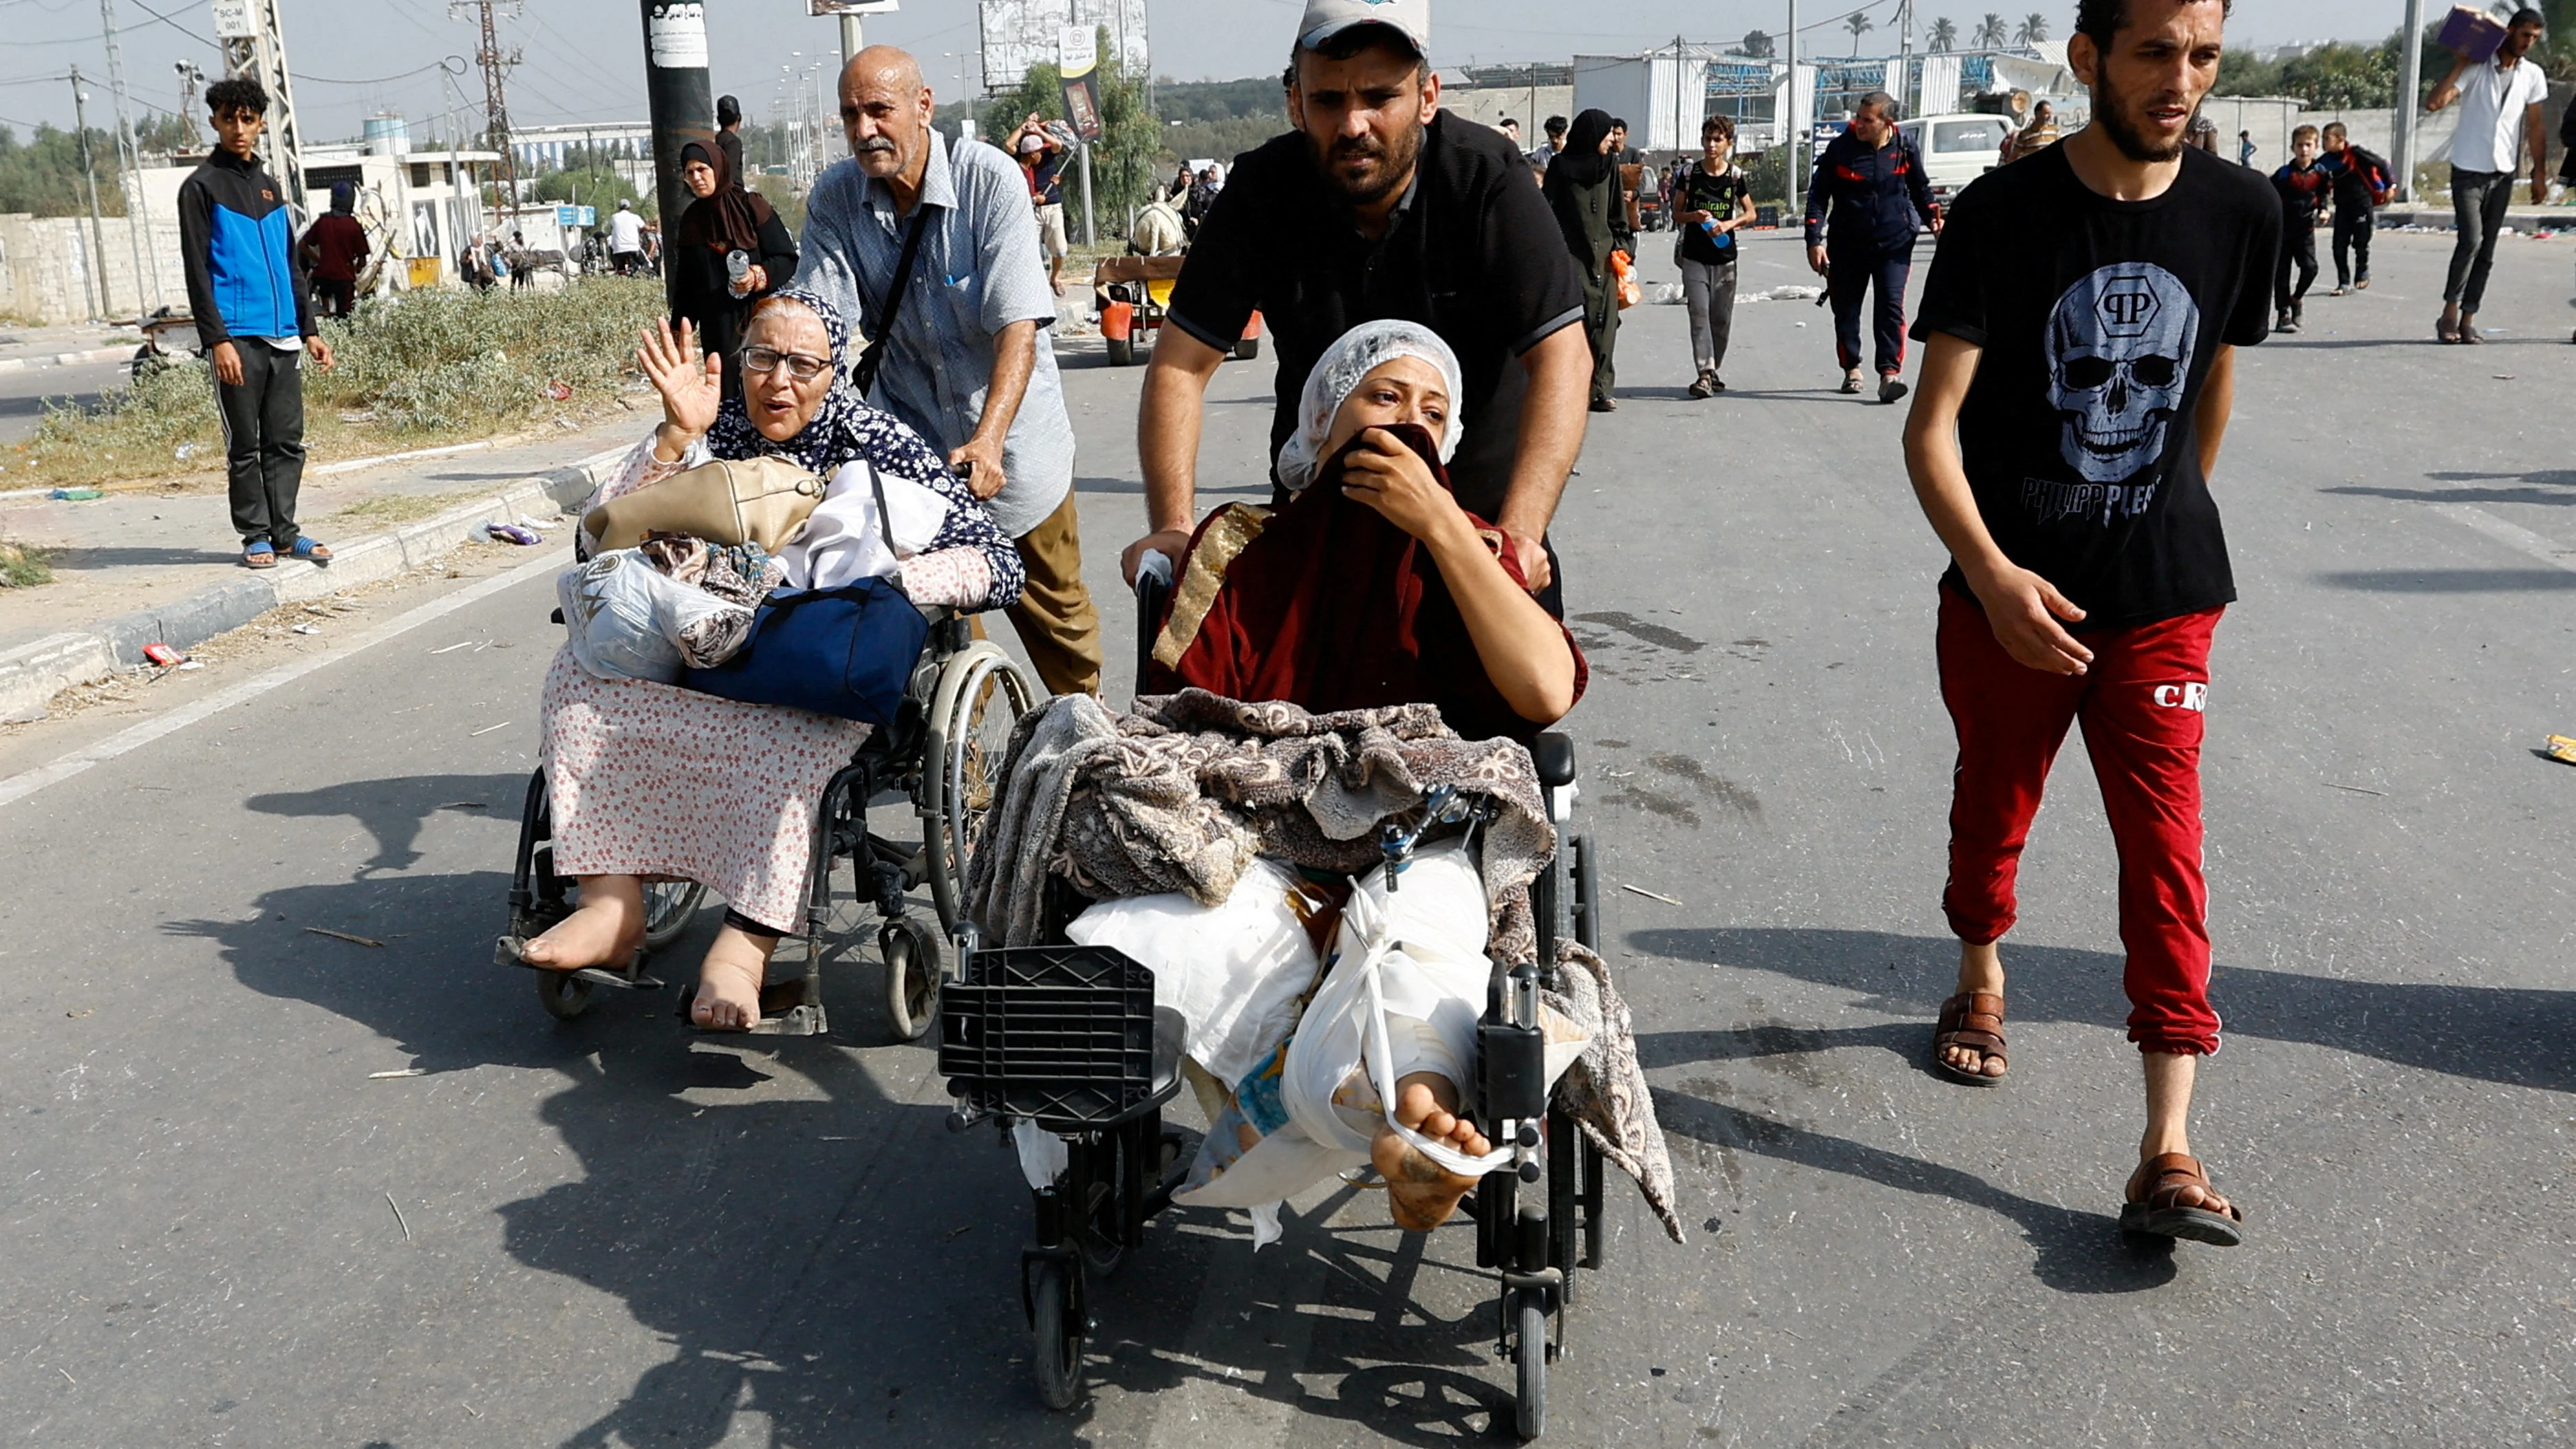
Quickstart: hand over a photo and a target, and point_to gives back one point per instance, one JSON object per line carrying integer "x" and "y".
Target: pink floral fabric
{"x": 651, "y": 779}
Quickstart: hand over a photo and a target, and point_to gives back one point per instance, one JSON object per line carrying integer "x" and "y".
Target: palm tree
{"x": 1859, "y": 25}
{"x": 2034, "y": 29}
{"x": 1990, "y": 34}
{"x": 1757, "y": 44}
{"x": 1945, "y": 36}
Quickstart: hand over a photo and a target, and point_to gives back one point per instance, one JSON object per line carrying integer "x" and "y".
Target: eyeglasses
{"x": 799, "y": 366}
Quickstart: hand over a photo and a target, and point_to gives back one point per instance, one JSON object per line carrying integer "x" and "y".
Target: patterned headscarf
{"x": 1342, "y": 368}
{"x": 845, "y": 428}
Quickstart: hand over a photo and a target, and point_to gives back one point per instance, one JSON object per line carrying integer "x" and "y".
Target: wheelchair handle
{"x": 1153, "y": 586}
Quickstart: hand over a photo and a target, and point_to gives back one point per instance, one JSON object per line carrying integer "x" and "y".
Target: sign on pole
{"x": 232, "y": 20}
{"x": 1078, "y": 57}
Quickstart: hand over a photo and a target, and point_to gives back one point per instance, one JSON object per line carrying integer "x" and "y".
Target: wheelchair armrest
{"x": 1554, "y": 754}
{"x": 556, "y": 617}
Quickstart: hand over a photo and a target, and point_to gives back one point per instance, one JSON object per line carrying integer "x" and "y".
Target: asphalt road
{"x": 223, "y": 1231}
{"x": 25, "y": 393}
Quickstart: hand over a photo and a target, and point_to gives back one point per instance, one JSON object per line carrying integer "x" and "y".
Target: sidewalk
{"x": 65, "y": 346}
{"x": 132, "y": 569}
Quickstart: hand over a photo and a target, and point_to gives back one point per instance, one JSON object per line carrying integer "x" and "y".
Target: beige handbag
{"x": 745, "y": 500}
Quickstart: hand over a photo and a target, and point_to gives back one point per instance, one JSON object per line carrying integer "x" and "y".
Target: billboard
{"x": 1022, "y": 33}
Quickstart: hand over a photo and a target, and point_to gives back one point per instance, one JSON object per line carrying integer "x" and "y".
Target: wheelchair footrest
{"x": 507, "y": 951}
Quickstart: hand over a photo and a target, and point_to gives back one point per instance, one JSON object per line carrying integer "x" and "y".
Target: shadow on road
{"x": 2511, "y": 1036}
{"x": 823, "y": 1255}
{"x": 2078, "y": 1252}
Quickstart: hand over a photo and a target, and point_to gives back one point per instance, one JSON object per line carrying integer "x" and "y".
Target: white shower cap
{"x": 1361, "y": 351}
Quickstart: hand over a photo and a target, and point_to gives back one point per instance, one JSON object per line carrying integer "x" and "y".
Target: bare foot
{"x": 604, "y": 931}
{"x": 1421, "y": 1193}
{"x": 729, "y": 981}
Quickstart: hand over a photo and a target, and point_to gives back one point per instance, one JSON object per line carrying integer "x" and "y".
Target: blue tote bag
{"x": 847, "y": 651}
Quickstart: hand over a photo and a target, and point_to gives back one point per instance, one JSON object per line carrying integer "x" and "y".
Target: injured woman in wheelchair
{"x": 1333, "y": 681}
{"x": 651, "y": 776}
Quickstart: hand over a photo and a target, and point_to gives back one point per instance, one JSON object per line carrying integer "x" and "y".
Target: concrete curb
{"x": 70, "y": 359}
{"x": 32, "y": 674}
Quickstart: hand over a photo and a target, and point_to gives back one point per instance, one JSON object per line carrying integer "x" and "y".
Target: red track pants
{"x": 2141, "y": 705}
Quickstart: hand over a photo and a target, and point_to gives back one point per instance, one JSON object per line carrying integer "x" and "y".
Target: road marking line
{"x": 2511, "y": 535}
{"x": 20, "y": 786}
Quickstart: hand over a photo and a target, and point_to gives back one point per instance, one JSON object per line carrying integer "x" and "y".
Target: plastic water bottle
{"x": 738, "y": 272}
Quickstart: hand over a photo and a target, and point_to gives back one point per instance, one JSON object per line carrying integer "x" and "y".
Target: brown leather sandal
{"x": 2152, "y": 1209}
{"x": 1975, "y": 1020}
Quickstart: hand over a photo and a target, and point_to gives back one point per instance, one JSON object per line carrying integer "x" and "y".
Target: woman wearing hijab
{"x": 724, "y": 221}
{"x": 1582, "y": 188}
{"x": 1373, "y": 587}
{"x": 650, "y": 781}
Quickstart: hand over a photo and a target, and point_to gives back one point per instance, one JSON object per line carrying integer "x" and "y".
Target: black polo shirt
{"x": 1472, "y": 253}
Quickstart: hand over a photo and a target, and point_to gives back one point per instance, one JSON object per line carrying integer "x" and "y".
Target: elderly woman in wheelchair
{"x": 649, "y": 781}
{"x": 1373, "y": 587}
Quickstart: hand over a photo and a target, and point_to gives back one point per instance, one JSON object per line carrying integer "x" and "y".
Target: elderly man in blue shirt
{"x": 965, "y": 363}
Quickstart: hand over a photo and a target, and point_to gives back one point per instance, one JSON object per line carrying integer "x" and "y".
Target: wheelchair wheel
{"x": 563, "y": 994}
{"x": 911, "y": 977}
{"x": 669, "y": 906}
{"x": 1058, "y": 1341}
{"x": 1528, "y": 1312}
{"x": 981, "y": 695}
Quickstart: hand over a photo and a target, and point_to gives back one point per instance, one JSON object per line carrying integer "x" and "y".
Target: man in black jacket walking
{"x": 255, "y": 318}
{"x": 1872, "y": 184}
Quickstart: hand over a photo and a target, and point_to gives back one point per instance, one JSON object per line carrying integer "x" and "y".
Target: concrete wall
{"x": 1490, "y": 105}
{"x": 49, "y": 266}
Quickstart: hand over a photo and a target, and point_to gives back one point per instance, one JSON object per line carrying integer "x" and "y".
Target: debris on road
{"x": 1650, "y": 895}
{"x": 452, "y": 648}
{"x": 76, "y": 495}
{"x": 343, "y": 936}
{"x": 163, "y": 655}
{"x": 398, "y": 1217}
{"x": 2356, "y": 789}
{"x": 84, "y": 1011}
{"x": 2562, "y": 749}
{"x": 402, "y": 1072}
{"x": 307, "y": 629}
{"x": 514, "y": 533}
{"x": 487, "y": 729}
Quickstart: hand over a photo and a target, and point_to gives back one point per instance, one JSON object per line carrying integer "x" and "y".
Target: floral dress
{"x": 655, "y": 780}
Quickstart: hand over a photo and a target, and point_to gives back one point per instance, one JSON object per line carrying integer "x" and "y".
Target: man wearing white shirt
{"x": 2499, "y": 123}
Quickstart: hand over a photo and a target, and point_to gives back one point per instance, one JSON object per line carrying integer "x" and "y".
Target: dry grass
{"x": 24, "y": 566}
{"x": 392, "y": 508}
{"x": 414, "y": 370}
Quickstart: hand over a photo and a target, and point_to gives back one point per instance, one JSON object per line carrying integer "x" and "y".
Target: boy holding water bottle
{"x": 1712, "y": 201}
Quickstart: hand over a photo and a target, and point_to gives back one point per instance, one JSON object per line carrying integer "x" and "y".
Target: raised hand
{"x": 690, "y": 381}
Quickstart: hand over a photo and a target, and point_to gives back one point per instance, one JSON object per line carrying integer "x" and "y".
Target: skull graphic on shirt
{"x": 2119, "y": 352}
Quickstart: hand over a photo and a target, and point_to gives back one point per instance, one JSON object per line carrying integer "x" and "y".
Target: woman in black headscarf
{"x": 725, "y": 220}
{"x": 1582, "y": 188}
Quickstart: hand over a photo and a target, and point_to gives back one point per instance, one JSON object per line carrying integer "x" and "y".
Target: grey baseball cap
{"x": 1328, "y": 18}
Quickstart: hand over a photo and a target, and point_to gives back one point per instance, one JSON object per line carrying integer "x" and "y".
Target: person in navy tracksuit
{"x": 255, "y": 317}
{"x": 1870, "y": 181}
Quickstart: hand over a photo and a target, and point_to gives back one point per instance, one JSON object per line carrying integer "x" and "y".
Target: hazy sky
{"x": 583, "y": 59}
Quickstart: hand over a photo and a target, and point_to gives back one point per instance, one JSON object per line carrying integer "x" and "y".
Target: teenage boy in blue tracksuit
{"x": 1872, "y": 184}
{"x": 255, "y": 318}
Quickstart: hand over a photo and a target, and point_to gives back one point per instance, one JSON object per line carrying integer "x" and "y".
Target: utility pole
{"x": 255, "y": 47}
{"x": 496, "y": 104}
{"x": 683, "y": 108}
{"x": 1791, "y": 133}
{"x": 89, "y": 173}
{"x": 138, "y": 217}
{"x": 2410, "y": 88}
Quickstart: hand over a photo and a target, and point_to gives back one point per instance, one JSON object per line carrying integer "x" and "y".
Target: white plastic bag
{"x": 626, "y": 616}
{"x": 1234, "y": 972}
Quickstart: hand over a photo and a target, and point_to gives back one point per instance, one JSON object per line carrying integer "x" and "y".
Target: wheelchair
{"x": 949, "y": 734}
{"x": 1062, "y": 1048}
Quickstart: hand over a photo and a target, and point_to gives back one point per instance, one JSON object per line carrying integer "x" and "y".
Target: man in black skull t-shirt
{"x": 2080, "y": 321}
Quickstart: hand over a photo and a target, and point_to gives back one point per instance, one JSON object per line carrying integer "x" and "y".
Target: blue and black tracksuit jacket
{"x": 238, "y": 240}
{"x": 1875, "y": 195}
